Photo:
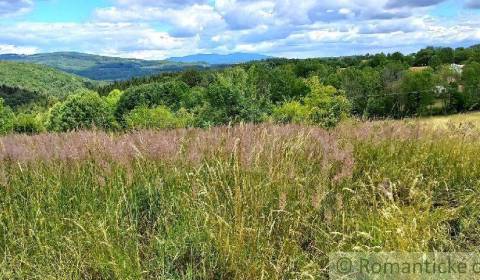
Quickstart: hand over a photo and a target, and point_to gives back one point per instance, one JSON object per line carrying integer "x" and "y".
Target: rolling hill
{"x": 218, "y": 59}
{"x": 40, "y": 79}
{"x": 96, "y": 67}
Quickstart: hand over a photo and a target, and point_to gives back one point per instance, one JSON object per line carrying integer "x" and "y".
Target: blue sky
{"x": 156, "y": 29}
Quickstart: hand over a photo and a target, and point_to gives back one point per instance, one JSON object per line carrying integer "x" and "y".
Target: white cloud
{"x": 12, "y": 49}
{"x": 184, "y": 22}
{"x": 157, "y": 29}
{"x": 100, "y": 38}
{"x": 15, "y": 7}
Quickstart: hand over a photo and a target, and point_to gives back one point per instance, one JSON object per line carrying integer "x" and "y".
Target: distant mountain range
{"x": 97, "y": 67}
{"x": 218, "y": 59}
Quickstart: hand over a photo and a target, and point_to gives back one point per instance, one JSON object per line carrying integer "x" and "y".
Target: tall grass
{"x": 248, "y": 202}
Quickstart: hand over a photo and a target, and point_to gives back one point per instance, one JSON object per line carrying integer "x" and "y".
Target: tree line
{"x": 312, "y": 91}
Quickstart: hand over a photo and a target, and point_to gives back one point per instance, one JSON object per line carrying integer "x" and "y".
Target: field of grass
{"x": 248, "y": 202}
{"x": 467, "y": 120}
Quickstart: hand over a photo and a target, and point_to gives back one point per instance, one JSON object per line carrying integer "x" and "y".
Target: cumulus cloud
{"x": 412, "y": 3}
{"x": 10, "y": 49}
{"x": 104, "y": 38}
{"x": 161, "y": 3}
{"x": 157, "y": 29}
{"x": 14, "y": 7}
{"x": 184, "y": 22}
{"x": 473, "y": 4}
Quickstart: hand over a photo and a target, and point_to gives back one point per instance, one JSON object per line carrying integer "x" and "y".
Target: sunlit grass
{"x": 445, "y": 122}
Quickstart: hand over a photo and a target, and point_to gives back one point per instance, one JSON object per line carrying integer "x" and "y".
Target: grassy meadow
{"x": 243, "y": 202}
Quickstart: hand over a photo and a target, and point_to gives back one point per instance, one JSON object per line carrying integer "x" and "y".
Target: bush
{"x": 113, "y": 98}
{"x": 157, "y": 118}
{"x": 6, "y": 118}
{"x": 170, "y": 94}
{"x": 28, "y": 124}
{"x": 81, "y": 111}
{"x": 291, "y": 112}
{"x": 326, "y": 105}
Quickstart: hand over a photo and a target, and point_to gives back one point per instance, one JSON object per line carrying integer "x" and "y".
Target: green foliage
{"x": 157, "y": 118}
{"x": 418, "y": 92}
{"x": 6, "y": 118}
{"x": 231, "y": 99}
{"x": 172, "y": 94}
{"x": 326, "y": 105}
{"x": 471, "y": 79}
{"x": 16, "y": 97}
{"x": 83, "y": 110}
{"x": 39, "y": 79}
{"x": 103, "y": 68}
{"x": 286, "y": 86}
{"x": 113, "y": 98}
{"x": 28, "y": 124}
{"x": 359, "y": 84}
{"x": 291, "y": 112}
{"x": 284, "y": 90}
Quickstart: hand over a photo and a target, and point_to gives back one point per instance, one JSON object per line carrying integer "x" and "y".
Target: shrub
{"x": 291, "y": 112}
{"x": 81, "y": 111}
{"x": 113, "y": 98}
{"x": 157, "y": 118}
{"x": 6, "y": 118}
{"x": 170, "y": 94}
{"x": 28, "y": 124}
{"x": 326, "y": 105}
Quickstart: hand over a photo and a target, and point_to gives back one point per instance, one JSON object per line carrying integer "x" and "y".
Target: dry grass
{"x": 248, "y": 202}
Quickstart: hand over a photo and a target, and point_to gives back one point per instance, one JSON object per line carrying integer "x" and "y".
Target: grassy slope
{"x": 251, "y": 202}
{"x": 39, "y": 78}
{"x": 472, "y": 119}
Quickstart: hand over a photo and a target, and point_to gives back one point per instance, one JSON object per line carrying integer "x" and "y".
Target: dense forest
{"x": 320, "y": 91}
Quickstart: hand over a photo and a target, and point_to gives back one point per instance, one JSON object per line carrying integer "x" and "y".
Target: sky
{"x": 158, "y": 29}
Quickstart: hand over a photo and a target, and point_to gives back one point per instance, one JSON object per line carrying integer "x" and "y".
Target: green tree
{"x": 285, "y": 86}
{"x": 234, "y": 97}
{"x": 160, "y": 117}
{"x": 359, "y": 84}
{"x": 6, "y": 118}
{"x": 327, "y": 106}
{"x": 417, "y": 92}
{"x": 172, "y": 94}
{"x": 471, "y": 81}
{"x": 28, "y": 124}
{"x": 83, "y": 110}
{"x": 423, "y": 57}
{"x": 113, "y": 98}
{"x": 291, "y": 112}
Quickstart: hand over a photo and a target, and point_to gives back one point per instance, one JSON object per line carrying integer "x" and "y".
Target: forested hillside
{"x": 41, "y": 79}
{"x": 97, "y": 67}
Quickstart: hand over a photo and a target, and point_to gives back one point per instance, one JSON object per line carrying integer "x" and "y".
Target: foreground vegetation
{"x": 244, "y": 202}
